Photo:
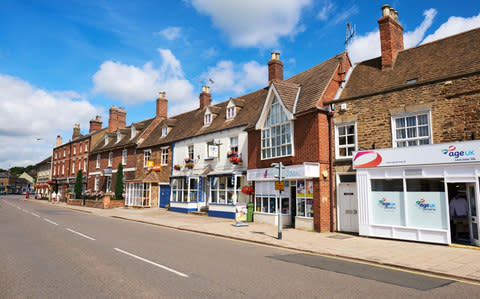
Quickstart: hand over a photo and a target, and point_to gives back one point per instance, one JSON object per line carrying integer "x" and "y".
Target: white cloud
{"x": 367, "y": 46}
{"x": 325, "y": 11}
{"x": 252, "y": 23}
{"x": 345, "y": 15}
{"x": 29, "y": 113}
{"x": 170, "y": 33}
{"x": 453, "y": 26}
{"x": 131, "y": 84}
{"x": 412, "y": 38}
{"x": 236, "y": 80}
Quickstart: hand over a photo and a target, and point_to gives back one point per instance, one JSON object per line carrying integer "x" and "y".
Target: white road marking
{"x": 50, "y": 221}
{"x": 25, "y": 211}
{"x": 19, "y": 208}
{"x": 152, "y": 263}
{"x": 80, "y": 234}
{"x": 36, "y": 215}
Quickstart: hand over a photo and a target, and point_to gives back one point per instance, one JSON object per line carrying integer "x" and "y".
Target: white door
{"x": 348, "y": 207}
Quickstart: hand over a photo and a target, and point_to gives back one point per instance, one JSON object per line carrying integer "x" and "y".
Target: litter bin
{"x": 249, "y": 212}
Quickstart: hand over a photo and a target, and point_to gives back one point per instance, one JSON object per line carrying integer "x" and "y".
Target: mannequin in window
{"x": 458, "y": 206}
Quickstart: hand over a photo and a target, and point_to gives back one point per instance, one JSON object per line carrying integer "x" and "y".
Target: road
{"x": 52, "y": 252}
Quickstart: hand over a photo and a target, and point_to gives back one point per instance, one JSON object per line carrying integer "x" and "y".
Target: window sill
{"x": 221, "y": 204}
{"x": 343, "y": 158}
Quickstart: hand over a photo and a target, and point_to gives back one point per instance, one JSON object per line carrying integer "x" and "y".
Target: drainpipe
{"x": 333, "y": 200}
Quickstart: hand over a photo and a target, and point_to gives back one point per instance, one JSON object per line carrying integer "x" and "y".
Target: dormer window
{"x": 134, "y": 131}
{"x": 119, "y": 136}
{"x": 231, "y": 112}
{"x": 276, "y": 133}
{"x": 106, "y": 139}
{"x": 207, "y": 120}
{"x": 164, "y": 132}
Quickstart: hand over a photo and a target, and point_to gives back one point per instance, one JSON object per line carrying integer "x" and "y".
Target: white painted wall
{"x": 220, "y": 164}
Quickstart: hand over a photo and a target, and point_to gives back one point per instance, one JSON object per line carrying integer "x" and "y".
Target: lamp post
{"x": 280, "y": 175}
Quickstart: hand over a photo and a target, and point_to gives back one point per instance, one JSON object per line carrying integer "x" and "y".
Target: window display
{"x": 387, "y": 202}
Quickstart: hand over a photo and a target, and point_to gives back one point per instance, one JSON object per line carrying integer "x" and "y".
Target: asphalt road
{"x": 52, "y": 252}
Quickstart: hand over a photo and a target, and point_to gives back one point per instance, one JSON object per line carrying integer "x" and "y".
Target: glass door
{"x": 472, "y": 213}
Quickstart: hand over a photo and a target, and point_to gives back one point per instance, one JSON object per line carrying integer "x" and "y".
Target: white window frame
{"x": 191, "y": 154}
{"x": 133, "y": 132}
{"x": 80, "y": 147}
{"x": 119, "y": 136}
{"x": 268, "y": 137}
{"x": 106, "y": 139}
{"x": 86, "y": 146}
{"x": 231, "y": 111}
{"x": 55, "y": 169}
{"x": 124, "y": 156}
{"x": 393, "y": 119}
{"x": 347, "y": 145}
{"x": 73, "y": 166}
{"x": 96, "y": 184}
{"x": 164, "y": 132}
{"x": 99, "y": 157}
{"x": 146, "y": 156}
{"x": 164, "y": 156}
{"x": 64, "y": 152}
{"x": 85, "y": 164}
{"x": 234, "y": 147}
{"x": 110, "y": 159}
{"x": 63, "y": 168}
{"x": 207, "y": 119}
{"x": 74, "y": 149}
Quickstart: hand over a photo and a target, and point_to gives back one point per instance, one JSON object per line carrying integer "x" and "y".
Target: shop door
{"x": 164, "y": 196}
{"x": 348, "y": 207}
{"x": 293, "y": 204}
{"x": 472, "y": 213}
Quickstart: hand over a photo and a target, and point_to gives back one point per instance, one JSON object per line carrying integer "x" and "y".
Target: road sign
{"x": 280, "y": 185}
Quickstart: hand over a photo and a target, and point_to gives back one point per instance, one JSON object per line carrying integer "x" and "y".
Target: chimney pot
{"x": 391, "y": 36}
{"x": 275, "y": 68}
{"x": 205, "y": 97}
{"x": 95, "y": 124}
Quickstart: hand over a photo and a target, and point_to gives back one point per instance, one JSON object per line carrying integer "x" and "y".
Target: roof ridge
{"x": 317, "y": 65}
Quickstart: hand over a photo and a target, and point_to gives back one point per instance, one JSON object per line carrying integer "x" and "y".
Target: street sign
{"x": 279, "y": 185}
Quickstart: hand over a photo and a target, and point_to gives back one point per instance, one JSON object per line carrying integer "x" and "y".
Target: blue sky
{"x": 63, "y": 62}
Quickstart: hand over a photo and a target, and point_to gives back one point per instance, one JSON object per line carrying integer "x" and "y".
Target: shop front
{"x": 224, "y": 192}
{"x": 295, "y": 202}
{"x": 138, "y": 193}
{"x": 186, "y": 194}
{"x": 427, "y": 194}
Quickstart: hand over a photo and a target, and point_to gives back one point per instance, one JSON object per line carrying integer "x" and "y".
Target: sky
{"x": 64, "y": 62}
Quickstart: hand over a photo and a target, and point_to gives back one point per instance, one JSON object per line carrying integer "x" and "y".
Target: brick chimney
{"x": 117, "y": 118}
{"x": 391, "y": 36}
{"x": 275, "y": 68}
{"x": 95, "y": 124}
{"x": 59, "y": 140}
{"x": 76, "y": 131}
{"x": 205, "y": 97}
{"x": 162, "y": 105}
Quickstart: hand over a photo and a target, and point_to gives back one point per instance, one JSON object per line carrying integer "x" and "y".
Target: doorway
{"x": 463, "y": 213}
{"x": 348, "y": 207}
{"x": 293, "y": 203}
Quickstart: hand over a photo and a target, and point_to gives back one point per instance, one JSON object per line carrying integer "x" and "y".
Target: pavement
{"x": 461, "y": 263}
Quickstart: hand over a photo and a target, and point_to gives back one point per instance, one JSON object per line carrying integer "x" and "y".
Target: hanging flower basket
{"x": 231, "y": 154}
{"x": 248, "y": 190}
{"x": 236, "y": 160}
{"x": 189, "y": 165}
{"x": 177, "y": 167}
{"x": 188, "y": 160}
{"x": 50, "y": 182}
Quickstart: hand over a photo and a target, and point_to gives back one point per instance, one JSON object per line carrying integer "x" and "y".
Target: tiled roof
{"x": 126, "y": 138}
{"x": 287, "y": 92}
{"x": 83, "y": 137}
{"x": 190, "y": 124}
{"x": 451, "y": 56}
{"x": 314, "y": 82}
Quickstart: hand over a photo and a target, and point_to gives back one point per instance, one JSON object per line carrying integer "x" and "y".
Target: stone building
{"x": 401, "y": 118}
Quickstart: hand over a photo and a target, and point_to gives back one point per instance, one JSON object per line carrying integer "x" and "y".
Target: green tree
{"x": 78, "y": 184}
{"x": 119, "y": 182}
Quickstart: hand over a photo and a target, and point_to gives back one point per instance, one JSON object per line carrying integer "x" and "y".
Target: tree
{"x": 78, "y": 184}
{"x": 119, "y": 182}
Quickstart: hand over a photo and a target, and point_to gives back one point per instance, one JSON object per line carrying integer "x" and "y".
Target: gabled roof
{"x": 126, "y": 139}
{"x": 287, "y": 92}
{"x": 313, "y": 82}
{"x": 190, "y": 124}
{"x": 83, "y": 137}
{"x": 448, "y": 57}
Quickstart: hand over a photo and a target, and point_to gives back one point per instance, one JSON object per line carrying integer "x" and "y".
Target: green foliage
{"x": 78, "y": 184}
{"x": 119, "y": 182}
{"x": 16, "y": 171}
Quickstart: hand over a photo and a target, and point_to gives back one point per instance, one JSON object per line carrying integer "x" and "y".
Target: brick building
{"x": 70, "y": 157}
{"x": 409, "y": 119}
{"x": 119, "y": 146}
{"x": 294, "y": 128}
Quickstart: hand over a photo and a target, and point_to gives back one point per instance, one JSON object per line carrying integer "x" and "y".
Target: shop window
{"x": 277, "y": 134}
{"x": 386, "y": 201}
{"x": 411, "y": 129}
{"x": 180, "y": 190}
{"x": 223, "y": 189}
{"x": 345, "y": 140}
{"x": 426, "y": 206}
{"x": 304, "y": 198}
{"x": 193, "y": 190}
{"x": 138, "y": 194}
